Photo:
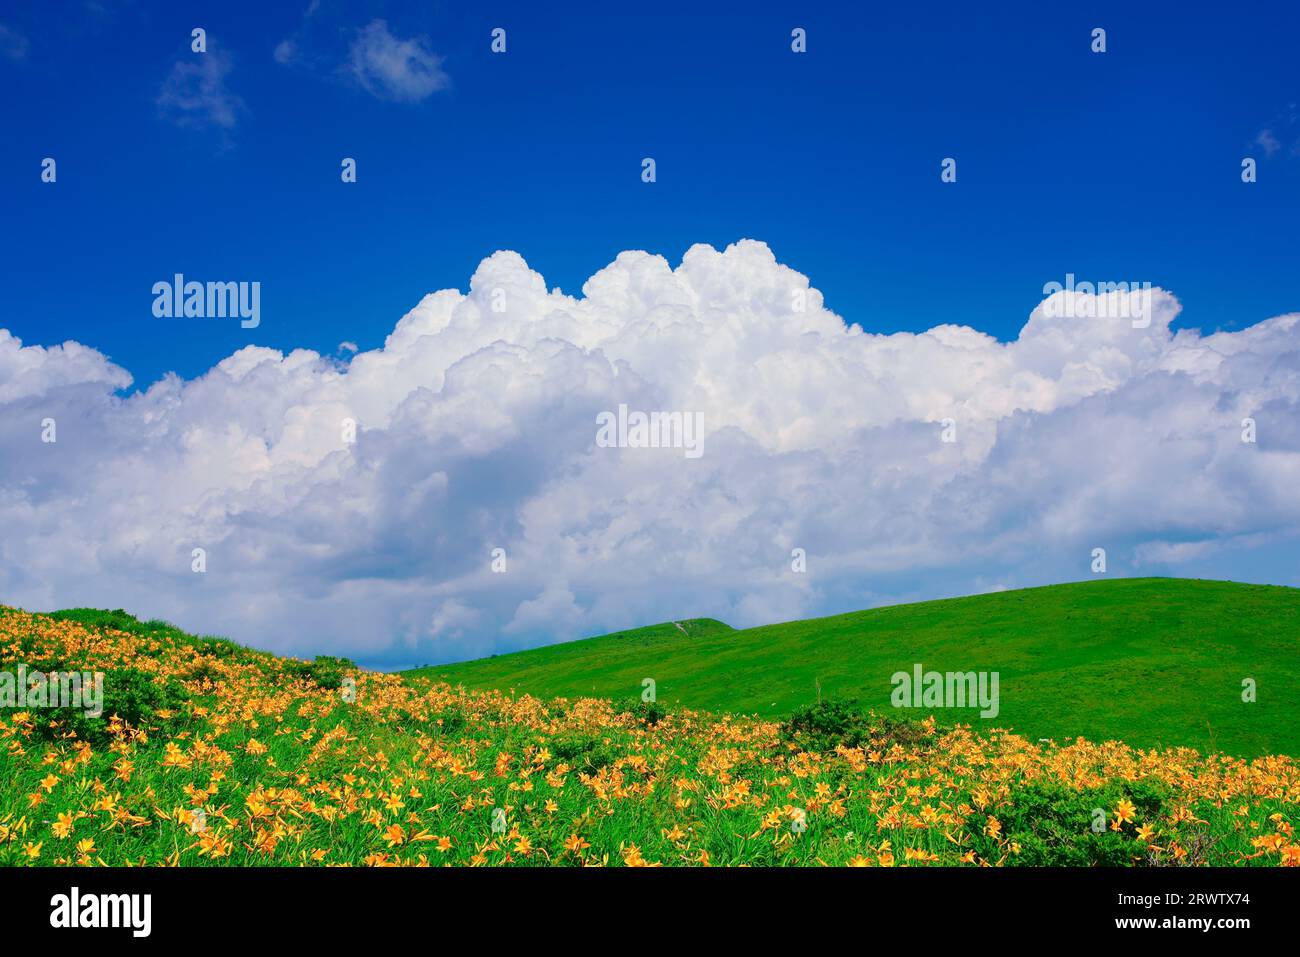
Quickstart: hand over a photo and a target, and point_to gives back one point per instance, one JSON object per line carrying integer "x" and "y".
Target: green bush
{"x": 134, "y": 696}
{"x": 325, "y": 670}
{"x": 584, "y": 753}
{"x": 1052, "y": 822}
{"x": 828, "y": 724}
{"x": 648, "y": 713}
{"x": 825, "y": 725}
{"x": 328, "y": 671}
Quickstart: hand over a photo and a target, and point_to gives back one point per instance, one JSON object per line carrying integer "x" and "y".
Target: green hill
{"x": 1150, "y": 661}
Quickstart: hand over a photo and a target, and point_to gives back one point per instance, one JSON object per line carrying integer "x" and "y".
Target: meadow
{"x": 209, "y": 753}
{"x": 1153, "y": 662}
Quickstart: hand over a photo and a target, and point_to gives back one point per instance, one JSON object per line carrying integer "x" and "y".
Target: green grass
{"x": 1153, "y": 662}
{"x": 209, "y": 753}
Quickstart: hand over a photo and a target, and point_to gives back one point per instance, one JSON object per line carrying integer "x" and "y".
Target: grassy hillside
{"x": 208, "y": 753}
{"x": 1152, "y": 662}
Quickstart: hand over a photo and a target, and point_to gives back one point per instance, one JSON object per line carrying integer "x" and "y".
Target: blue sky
{"x": 473, "y": 426}
{"x": 1123, "y": 165}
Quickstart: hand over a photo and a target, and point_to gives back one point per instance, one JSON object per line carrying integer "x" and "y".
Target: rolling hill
{"x": 207, "y": 753}
{"x": 1153, "y": 662}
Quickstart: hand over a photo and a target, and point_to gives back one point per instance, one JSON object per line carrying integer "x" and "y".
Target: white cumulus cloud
{"x": 475, "y": 429}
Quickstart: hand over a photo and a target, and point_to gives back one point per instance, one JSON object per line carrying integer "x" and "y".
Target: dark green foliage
{"x": 133, "y": 695}
{"x": 584, "y": 753}
{"x": 326, "y": 671}
{"x": 826, "y": 725}
{"x": 450, "y": 721}
{"x": 648, "y": 713}
{"x": 329, "y": 671}
{"x": 204, "y": 670}
{"x": 1053, "y": 824}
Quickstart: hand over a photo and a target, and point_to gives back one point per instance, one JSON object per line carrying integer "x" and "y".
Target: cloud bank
{"x": 475, "y": 430}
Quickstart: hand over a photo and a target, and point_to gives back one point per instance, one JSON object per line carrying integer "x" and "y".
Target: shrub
{"x": 1052, "y": 822}
{"x": 649, "y": 713}
{"x": 828, "y": 724}
{"x": 134, "y": 696}
{"x": 581, "y": 752}
{"x": 325, "y": 670}
{"x": 328, "y": 671}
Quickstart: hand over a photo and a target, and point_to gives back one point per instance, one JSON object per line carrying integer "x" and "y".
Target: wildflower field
{"x": 211, "y": 753}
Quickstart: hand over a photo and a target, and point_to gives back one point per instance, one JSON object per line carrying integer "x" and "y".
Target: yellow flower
{"x": 632, "y": 856}
{"x": 575, "y": 844}
{"x": 1124, "y": 810}
{"x": 212, "y": 844}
